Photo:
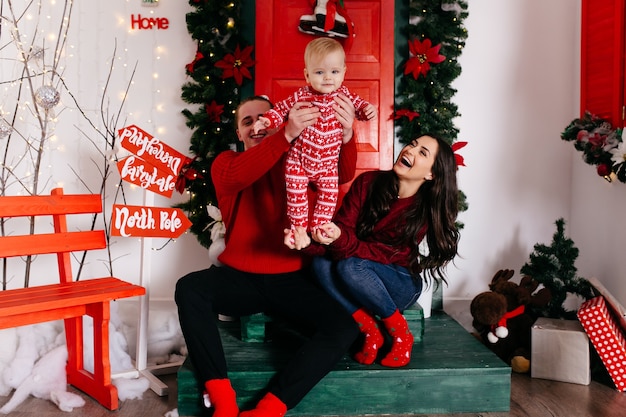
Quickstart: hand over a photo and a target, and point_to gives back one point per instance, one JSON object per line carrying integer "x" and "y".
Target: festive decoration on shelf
{"x": 553, "y": 266}
{"x": 600, "y": 144}
{"x": 223, "y": 68}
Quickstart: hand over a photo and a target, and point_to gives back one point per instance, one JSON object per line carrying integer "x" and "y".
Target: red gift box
{"x": 607, "y": 338}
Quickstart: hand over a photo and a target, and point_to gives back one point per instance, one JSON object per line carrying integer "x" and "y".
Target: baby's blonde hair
{"x": 322, "y": 47}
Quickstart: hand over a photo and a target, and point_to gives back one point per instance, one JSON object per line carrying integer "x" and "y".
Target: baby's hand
{"x": 296, "y": 238}
{"x": 261, "y": 124}
{"x": 326, "y": 233}
{"x": 370, "y": 111}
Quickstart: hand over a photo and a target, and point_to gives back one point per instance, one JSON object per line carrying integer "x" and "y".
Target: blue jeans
{"x": 359, "y": 283}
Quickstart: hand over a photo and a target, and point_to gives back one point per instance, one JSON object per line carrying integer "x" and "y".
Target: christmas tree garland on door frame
{"x": 223, "y": 66}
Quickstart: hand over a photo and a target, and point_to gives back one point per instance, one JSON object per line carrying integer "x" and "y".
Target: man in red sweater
{"x": 259, "y": 273}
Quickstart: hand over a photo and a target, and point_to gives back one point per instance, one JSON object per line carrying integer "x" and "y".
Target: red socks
{"x": 223, "y": 398}
{"x": 373, "y": 338}
{"x": 402, "y": 345}
{"x": 269, "y": 406}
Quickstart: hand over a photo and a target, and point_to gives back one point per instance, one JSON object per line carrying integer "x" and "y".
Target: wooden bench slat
{"x": 37, "y": 205}
{"x": 24, "y": 300}
{"x": 53, "y": 293}
{"x": 51, "y": 243}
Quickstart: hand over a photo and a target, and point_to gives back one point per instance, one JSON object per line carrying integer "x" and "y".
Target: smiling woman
{"x": 371, "y": 261}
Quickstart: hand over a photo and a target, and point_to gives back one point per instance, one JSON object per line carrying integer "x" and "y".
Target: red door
{"x": 279, "y": 53}
{"x": 603, "y": 59}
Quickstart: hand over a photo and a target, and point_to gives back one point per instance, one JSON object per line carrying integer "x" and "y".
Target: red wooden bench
{"x": 69, "y": 299}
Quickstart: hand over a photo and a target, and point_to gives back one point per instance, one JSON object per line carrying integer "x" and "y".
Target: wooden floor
{"x": 529, "y": 397}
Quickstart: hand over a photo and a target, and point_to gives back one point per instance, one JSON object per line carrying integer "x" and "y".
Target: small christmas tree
{"x": 553, "y": 266}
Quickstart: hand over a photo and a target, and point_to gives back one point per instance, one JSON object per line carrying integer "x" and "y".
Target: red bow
{"x": 186, "y": 173}
{"x": 460, "y": 161}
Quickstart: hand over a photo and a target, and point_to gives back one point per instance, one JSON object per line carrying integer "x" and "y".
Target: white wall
{"x": 518, "y": 90}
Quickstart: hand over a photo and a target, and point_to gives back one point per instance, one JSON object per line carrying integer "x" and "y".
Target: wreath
{"x": 601, "y": 145}
{"x": 222, "y": 72}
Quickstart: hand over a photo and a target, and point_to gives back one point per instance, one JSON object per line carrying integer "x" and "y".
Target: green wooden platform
{"x": 450, "y": 372}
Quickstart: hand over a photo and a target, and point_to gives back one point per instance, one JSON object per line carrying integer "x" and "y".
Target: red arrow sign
{"x": 151, "y": 149}
{"x": 147, "y": 176}
{"x": 140, "y": 221}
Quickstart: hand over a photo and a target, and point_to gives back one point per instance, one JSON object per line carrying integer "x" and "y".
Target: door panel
{"x": 279, "y": 53}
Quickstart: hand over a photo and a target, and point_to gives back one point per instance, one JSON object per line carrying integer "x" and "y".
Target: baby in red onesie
{"x": 314, "y": 155}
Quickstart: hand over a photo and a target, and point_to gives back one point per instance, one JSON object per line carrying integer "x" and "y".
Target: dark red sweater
{"x": 250, "y": 190}
{"x": 372, "y": 248}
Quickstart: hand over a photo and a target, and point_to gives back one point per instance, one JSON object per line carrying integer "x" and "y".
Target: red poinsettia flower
{"x": 190, "y": 67}
{"x": 460, "y": 161}
{"x": 236, "y": 64}
{"x": 422, "y": 55}
{"x": 214, "y": 111}
{"x": 404, "y": 113}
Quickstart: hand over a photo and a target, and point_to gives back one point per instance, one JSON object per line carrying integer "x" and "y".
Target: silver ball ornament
{"x": 47, "y": 97}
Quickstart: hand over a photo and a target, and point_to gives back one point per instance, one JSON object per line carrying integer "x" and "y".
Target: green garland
{"x": 223, "y": 68}
{"x": 601, "y": 145}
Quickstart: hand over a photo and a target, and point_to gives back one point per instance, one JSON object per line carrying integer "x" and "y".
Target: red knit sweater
{"x": 250, "y": 190}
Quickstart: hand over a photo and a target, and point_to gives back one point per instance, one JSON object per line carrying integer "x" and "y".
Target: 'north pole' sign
{"x": 141, "y": 221}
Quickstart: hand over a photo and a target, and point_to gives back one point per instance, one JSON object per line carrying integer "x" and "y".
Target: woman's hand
{"x": 301, "y": 116}
{"x": 326, "y": 233}
{"x": 345, "y": 113}
{"x": 297, "y": 239}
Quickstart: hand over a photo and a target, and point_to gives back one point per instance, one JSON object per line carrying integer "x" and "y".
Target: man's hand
{"x": 326, "y": 233}
{"x": 301, "y": 116}
{"x": 345, "y": 113}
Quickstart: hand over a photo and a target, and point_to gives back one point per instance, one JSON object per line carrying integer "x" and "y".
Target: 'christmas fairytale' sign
{"x": 154, "y": 166}
{"x": 147, "y": 176}
{"x": 143, "y": 221}
{"x": 152, "y": 150}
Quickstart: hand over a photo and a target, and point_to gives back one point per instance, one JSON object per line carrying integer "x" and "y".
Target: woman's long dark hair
{"x": 436, "y": 207}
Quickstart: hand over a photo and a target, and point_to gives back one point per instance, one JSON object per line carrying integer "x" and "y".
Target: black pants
{"x": 202, "y": 294}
